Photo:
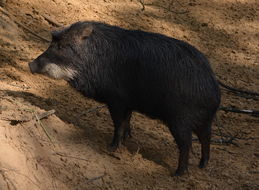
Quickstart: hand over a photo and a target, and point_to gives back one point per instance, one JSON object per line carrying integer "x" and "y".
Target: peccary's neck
{"x": 88, "y": 89}
{"x": 82, "y": 86}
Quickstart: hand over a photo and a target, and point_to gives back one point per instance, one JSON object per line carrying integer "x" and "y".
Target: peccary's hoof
{"x": 113, "y": 147}
{"x": 203, "y": 163}
{"x": 179, "y": 172}
{"x": 127, "y": 134}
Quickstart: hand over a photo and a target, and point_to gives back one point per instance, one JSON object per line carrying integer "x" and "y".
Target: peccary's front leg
{"x": 121, "y": 120}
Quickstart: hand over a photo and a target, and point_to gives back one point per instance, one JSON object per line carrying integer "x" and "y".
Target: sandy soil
{"x": 75, "y": 155}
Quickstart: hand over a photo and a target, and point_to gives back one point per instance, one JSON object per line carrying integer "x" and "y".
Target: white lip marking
{"x": 57, "y": 72}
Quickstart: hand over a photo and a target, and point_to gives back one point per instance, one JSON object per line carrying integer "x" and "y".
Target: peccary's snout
{"x": 33, "y": 67}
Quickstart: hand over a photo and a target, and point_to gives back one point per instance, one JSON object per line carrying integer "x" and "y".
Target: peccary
{"x": 132, "y": 70}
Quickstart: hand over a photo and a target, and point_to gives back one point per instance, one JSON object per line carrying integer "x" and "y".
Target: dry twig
{"x": 254, "y": 113}
{"x": 238, "y": 91}
{"x": 143, "y": 4}
{"x": 222, "y": 141}
{"x": 219, "y": 126}
{"x": 94, "y": 109}
{"x": 45, "y": 131}
{"x": 160, "y": 6}
{"x": 241, "y": 95}
{"x": 90, "y": 110}
{"x": 40, "y": 116}
{"x": 96, "y": 178}
{"x": 23, "y": 26}
{"x": 3, "y": 169}
{"x": 68, "y": 156}
{"x": 52, "y": 21}
{"x": 45, "y": 114}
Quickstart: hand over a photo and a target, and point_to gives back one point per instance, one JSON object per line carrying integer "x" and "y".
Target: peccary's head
{"x": 64, "y": 55}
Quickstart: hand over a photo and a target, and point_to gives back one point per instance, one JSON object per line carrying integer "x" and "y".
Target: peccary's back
{"x": 151, "y": 73}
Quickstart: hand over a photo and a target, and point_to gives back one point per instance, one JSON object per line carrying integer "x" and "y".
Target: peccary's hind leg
{"x": 121, "y": 120}
{"x": 204, "y": 135}
{"x": 183, "y": 136}
{"x": 127, "y": 128}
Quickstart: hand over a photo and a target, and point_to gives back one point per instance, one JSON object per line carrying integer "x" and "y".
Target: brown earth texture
{"x": 68, "y": 149}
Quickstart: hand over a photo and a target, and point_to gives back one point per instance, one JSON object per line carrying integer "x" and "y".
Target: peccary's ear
{"x": 87, "y": 32}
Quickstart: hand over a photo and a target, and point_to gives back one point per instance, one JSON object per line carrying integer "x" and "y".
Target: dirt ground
{"x": 74, "y": 154}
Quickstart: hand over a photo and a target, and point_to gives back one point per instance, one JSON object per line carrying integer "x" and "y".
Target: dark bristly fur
{"x": 132, "y": 70}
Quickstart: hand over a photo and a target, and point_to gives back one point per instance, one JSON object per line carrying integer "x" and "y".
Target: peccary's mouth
{"x": 53, "y": 70}
{"x": 58, "y": 72}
